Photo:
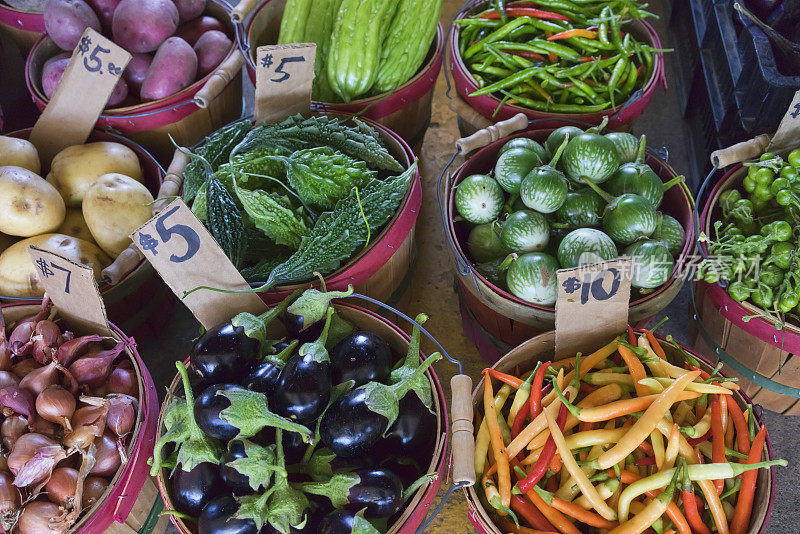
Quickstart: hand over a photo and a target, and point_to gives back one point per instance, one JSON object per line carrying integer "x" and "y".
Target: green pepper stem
{"x": 571, "y": 407}
{"x": 544, "y": 494}
{"x": 412, "y": 489}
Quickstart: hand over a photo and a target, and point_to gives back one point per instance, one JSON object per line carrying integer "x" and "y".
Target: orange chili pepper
{"x": 577, "y": 32}
{"x": 744, "y": 504}
{"x": 717, "y": 439}
{"x": 655, "y": 345}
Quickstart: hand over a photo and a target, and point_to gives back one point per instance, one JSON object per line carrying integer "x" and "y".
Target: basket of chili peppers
{"x": 748, "y": 284}
{"x": 640, "y": 433}
{"x": 556, "y": 59}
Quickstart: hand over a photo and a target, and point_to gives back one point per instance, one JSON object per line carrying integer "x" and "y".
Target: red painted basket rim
{"x": 24, "y": 20}
{"x": 458, "y": 67}
{"x": 459, "y": 175}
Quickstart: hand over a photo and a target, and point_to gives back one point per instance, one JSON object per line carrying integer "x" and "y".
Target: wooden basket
{"x": 23, "y": 27}
{"x": 136, "y": 298}
{"x": 762, "y": 357}
{"x": 130, "y": 504}
{"x": 541, "y": 348}
{"x": 415, "y": 511}
{"x": 505, "y": 317}
{"x": 406, "y": 111}
{"x": 380, "y": 269}
{"x": 187, "y": 116}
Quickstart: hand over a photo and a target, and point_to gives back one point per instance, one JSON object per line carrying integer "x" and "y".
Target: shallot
{"x": 17, "y": 400}
{"x": 121, "y": 413}
{"x": 37, "y": 380}
{"x": 70, "y": 350}
{"x": 93, "y": 368}
{"x": 88, "y": 423}
{"x": 93, "y": 489}
{"x": 122, "y": 380}
{"x": 26, "y": 366}
{"x": 62, "y": 487}
{"x": 42, "y": 517}
{"x": 8, "y": 379}
{"x": 33, "y": 458}
{"x": 11, "y": 429}
{"x": 106, "y": 456}
{"x": 10, "y": 501}
{"x": 46, "y": 339}
{"x": 20, "y": 339}
{"x": 56, "y": 404}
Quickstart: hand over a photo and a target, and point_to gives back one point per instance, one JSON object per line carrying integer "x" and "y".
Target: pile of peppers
{"x": 559, "y": 56}
{"x": 754, "y": 247}
{"x": 624, "y": 441}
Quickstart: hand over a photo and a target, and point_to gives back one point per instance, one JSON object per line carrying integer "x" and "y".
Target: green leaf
{"x": 272, "y": 214}
{"x": 420, "y": 385}
{"x": 287, "y": 508}
{"x": 313, "y": 304}
{"x": 316, "y": 349}
{"x": 318, "y": 466}
{"x": 337, "y": 489}
{"x": 340, "y": 329}
{"x": 249, "y": 413}
{"x": 255, "y": 507}
{"x": 340, "y": 233}
{"x": 192, "y": 445}
{"x": 362, "y": 526}
{"x": 256, "y": 326}
{"x": 258, "y": 464}
{"x": 322, "y": 176}
{"x": 383, "y": 399}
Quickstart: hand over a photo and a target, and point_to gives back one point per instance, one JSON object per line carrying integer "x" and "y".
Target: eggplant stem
{"x": 596, "y": 188}
{"x": 559, "y": 151}
{"x": 674, "y": 181}
{"x": 640, "y": 154}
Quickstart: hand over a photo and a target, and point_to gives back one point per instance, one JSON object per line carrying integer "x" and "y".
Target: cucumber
{"x": 670, "y": 232}
{"x": 479, "y": 199}
{"x": 532, "y": 278}
{"x": 652, "y": 264}
{"x": 513, "y": 166}
{"x": 584, "y": 246}
{"x": 525, "y": 231}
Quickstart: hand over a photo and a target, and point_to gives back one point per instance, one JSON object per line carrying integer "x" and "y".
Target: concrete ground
{"x": 432, "y": 292}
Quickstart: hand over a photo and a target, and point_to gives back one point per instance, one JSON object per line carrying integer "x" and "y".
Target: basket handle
{"x": 170, "y": 187}
{"x": 225, "y": 72}
{"x": 492, "y": 133}
{"x": 468, "y": 113}
{"x": 462, "y": 431}
{"x": 740, "y": 151}
{"x": 242, "y": 9}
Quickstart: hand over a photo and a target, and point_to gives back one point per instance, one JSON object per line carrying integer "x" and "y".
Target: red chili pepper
{"x": 517, "y": 11}
{"x": 530, "y": 513}
{"x": 694, "y": 442}
{"x": 631, "y": 336}
{"x": 542, "y": 463}
{"x": 525, "y": 54}
{"x": 552, "y": 57}
{"x": 519, "y": 420}
{"x": 506, "y": 378}
{"x": 535, "y": 400}
{"x": 692, "y": 508}
{"x": 717, "y": 439}
{"x": 587, "y": 388}
{"x": 577, "y": 32}
{"x": 647, "y": 460}
{"x": 704, "y": 375}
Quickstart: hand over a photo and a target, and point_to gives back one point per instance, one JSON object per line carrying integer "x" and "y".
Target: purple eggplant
{"x": 223, "y": 354}
{"x": 207, "y": 408}
{"x": 192, "y": 490}
{"x": 218, "y": 518}
{"x": 376, "y": 491}
{"x": 361, "y": 357}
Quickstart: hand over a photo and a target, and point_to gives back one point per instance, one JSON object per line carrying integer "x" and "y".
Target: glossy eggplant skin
{"x": 337, "y": 522}
{"x": 216, "y": 518}
{"x": 192, "y": 490}
{"x": 297, "y": 330}
{"x": 413, "y": 433}
{"x": 262, "y": 378}
{"x": 379, "y": 491}
{"x": 349, "y": 428}
{"x": 293, "y": 447}
{"x": 303, "y": 389}
{"x": 238, "y": 483}
{"x": 207, "y": 408}
{"x": 223, "y": 354}
{"x": 362, "y": 357}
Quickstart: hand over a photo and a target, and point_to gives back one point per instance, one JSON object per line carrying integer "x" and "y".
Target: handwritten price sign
{"x": 186, "y": 256}
{"x": 592, "y": 305}
{"x": 72, "y": 288}
{"x": 284, "y": 79}
{"x": 81, "y": 95}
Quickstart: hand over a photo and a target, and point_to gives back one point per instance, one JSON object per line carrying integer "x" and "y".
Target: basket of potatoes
{"x": 83, "y": 207}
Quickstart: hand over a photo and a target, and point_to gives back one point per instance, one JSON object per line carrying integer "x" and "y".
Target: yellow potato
{"x": 20, "y": 153}
{"x": 76, "y": 168}
{"x": 113, "y": 207}
{"x": 74, "y": 225}
{"x": 18, "y": 275}
{"x": 28, "y": 204}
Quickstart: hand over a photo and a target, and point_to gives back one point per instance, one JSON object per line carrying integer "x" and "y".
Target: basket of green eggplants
{"x": 544, "y": 200}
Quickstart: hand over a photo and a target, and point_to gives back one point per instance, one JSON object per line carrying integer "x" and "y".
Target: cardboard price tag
{"x": 284, "y": 79}
{"x": 81, "y": 95}
{"x": 186, "y": 256}
{"x": 72, "y": 288}
{"x": 592, "y": 305}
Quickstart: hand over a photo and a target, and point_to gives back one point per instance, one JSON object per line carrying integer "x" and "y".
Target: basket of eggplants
{"x": 315, "y": 416}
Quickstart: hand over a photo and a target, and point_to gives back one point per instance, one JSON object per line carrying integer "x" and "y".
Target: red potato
{"x": 174, "y": 67}
{"x": 104, "y": 10}
{"x": 66, "y": 20}
{"x": 192, "y": 30}
{"x": 136, "y": 71}
{"x": 119, "y": 93}
{"x": 190, "y": 9}
{"x": 51, "y": 74}
{"x": 141, "y": 26}
{"x": 211, "y": 49}
{"x": 62, "y": 55}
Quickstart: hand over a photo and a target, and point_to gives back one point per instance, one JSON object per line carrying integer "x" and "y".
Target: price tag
{"x": 186, "y": 256}
{"x": 72, "y": 288}
{"x": 81, "y": 95}
{"x": 592, "y": 305}
{"x": 789, "y": 129}
{"x": 284, "y": 79}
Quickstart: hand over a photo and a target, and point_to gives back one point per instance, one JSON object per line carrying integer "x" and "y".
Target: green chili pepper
{"x": 630, "y": 81}
{"x": 616, "y": 74}
{"x": 586, "y": 90}
{"x": 496, "y": 35}
{"x": 738, "y": 291}
{"x": 771, "y": 275}
{"x": 762, "y": 297}
{"x": 778, "y": 230}
{"x": 514, "y": 79}
{"x": 559, "y": 108}
{"x": 782, "y": 254}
